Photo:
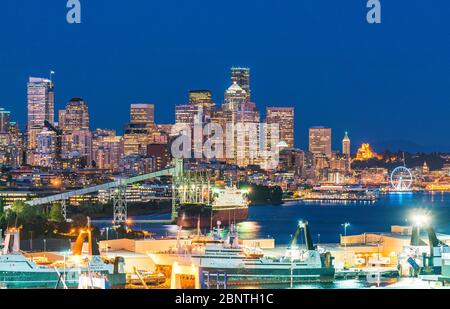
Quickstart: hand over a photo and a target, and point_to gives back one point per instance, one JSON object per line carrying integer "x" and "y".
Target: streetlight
{"x": 421, "y": 219}
{"x": 31, "y": 240}
{"x": 107, "y": 239}
{"x": 345, "y": 225}
{"x": 45, "y": 245}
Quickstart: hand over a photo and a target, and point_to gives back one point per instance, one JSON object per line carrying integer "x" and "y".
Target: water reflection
{"x": 280, "y": 221}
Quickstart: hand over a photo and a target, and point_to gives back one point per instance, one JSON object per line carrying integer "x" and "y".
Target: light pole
{"x": 45, "y": 245}
{"x": 107, "y": 239}
{"x": 31, "y": 240}
{"x": 345, "y": 225}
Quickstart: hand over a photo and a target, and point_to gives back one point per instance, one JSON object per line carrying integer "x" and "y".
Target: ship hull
{"x": 49, "y": 280}
{"x": 243, "y": 276}
{"x": 190, "y": 215}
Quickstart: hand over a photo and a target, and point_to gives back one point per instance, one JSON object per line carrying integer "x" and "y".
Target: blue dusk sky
{"x": 386, "y": 84}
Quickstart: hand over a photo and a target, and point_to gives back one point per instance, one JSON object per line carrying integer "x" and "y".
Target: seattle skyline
{"x": 392, "y": 83}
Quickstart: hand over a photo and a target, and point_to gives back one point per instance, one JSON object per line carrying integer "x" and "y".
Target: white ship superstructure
{"x": 230, "y": 197}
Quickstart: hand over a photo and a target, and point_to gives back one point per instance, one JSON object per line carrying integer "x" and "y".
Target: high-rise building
{"x": 10, "y": 140}
{"x": 75, "y": 116}
{"x": 139, "y": 131}
{"x": 246, "y": 136}
{"x": 234, "y": 97}
{"x": 82, "y": 145}
{"x": 346, "y": 145}
{"x": 320, "y": 141}
{"x": 143, "y": 114}
{"x": 201, "y": 98}
{"x": 107, "y": 152}
{"x": 241, "y": 76}
{"x": 41, "y": 107}
{"x": 187, "y": 114}
{"x": 284, "y": 117}
{"x": 5, "y": 119}
{"x": 45, "y": 154}
{"x": 161, "y": 155}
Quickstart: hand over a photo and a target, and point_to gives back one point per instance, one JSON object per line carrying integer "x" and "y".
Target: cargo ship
{"x": 19, "y": 271}
{"x": 230, "y": 205}
{"x": 238, "y": 265}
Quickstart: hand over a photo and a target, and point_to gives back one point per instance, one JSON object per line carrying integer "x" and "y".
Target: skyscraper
{"x": 82, "y": 145}
{"x": 346, "y": 145}
{"x": 186, "y": 114}
{"x": 139, "y": 131}
{"x": 41, "y": 107}
{"x": 234, "y": 97}
{"x": 143, "y": 114}
{"x": 241, "y": 76}
{"x": 284, "y": 117}
{"x": 73, "y": 118}
{"x": 320, "y": 141}
{"x": 201, "y": 98}
{"x": 5, "y": 118}
{"x": 346, "y": 152}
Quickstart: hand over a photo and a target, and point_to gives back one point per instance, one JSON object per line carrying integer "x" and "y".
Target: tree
{"x": 56, "y": 213}
{"x": 2, "y": 206}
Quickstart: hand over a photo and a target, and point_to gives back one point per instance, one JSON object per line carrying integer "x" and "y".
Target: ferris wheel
{"x": 401, "y": 179}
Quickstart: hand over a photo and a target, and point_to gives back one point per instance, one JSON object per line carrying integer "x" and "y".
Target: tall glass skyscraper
{"x": 241, "y": 76}
{"x": 41, "y": 107}
{"x": 284, "y": 117}
{"x": 320, "y": 141}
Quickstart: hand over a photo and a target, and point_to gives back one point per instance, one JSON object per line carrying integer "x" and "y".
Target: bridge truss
{"x": 119, "y": 195}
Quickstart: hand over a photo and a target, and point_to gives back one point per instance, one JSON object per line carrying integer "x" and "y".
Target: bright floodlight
{"x": 420, "y": 219}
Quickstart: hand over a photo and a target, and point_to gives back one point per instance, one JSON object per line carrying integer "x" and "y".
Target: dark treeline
{"x": 391, "y": 160}
{"x": 263, "y": 194}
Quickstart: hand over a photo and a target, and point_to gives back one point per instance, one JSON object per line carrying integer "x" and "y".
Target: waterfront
{"x": 325, "y": 218}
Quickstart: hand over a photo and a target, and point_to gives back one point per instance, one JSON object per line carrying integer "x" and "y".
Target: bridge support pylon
{"x": 64, "y": 209}
{"x": 177, "y": 180}
{"x": 120, "y": 205}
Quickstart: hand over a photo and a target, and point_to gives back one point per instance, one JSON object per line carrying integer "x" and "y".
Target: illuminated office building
{"x": 284, "y": 117}
{"x": 142, "y": 114}
{"x": 320, "y": 141}
{"x": 46, "y": 148}
{"x": 139, "y": 131}
{"x": 187, "y": 114}
{"x": 346, "y": 145}
{"x": 160, "y": 154}
{"x": 41, "y": 107}
{"x": 107, "y": 152}
{"x": 5, "y": 119}
{"x": 74, "y": 117}
{"x": 241, "y": 76}
{"x": 82, "y": 145}
{"x": 234, "y": 97}
{"x": 201, "y": 98}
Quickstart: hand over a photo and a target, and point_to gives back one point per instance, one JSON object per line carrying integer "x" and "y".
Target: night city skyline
{"x": 222, "y": 151}
{"x": 393, "y": 70}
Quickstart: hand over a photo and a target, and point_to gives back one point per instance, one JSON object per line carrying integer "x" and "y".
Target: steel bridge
{"x": 119, "y": 194}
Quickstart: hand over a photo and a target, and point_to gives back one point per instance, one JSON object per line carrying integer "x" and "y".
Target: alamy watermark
{"x": 74, "y": 14}
{"x": 374, "y": 14}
